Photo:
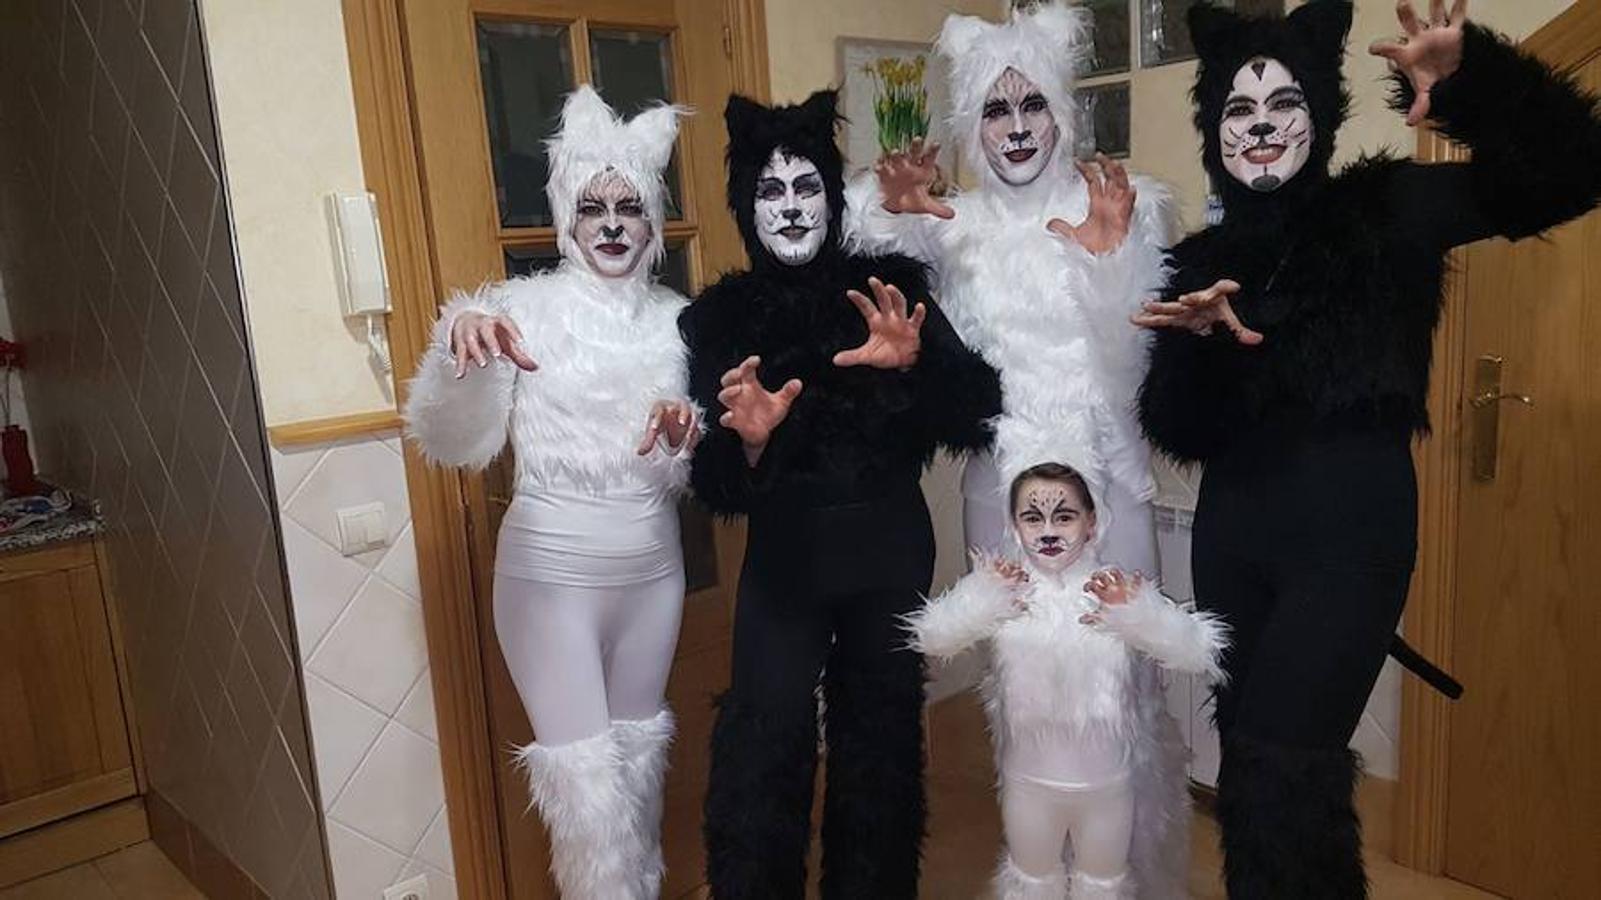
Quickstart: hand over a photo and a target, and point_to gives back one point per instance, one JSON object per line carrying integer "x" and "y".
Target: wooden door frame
{"x": 1425, "y": 736}
{"x": 389, "y": 155}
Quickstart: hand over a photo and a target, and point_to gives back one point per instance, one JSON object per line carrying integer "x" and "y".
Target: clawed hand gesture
{"x": 905, "y": 177}
{"x": 1426, "y": 52}
{"x": 674, "y": 420}
{"x": 752, "y": 410}
{"x": 482, "y": 337}
{"x": 1013, "y": 574}
{"x": 1198, "y": 312}
{"x": 1111, "y": 207}
{"x": 894, "y": 338}
{"x": 1112, "y": 588}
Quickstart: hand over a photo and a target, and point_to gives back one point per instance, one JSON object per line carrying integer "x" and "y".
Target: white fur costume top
{"x": 608, "y": 348}
{"x": 1050, "y": 316}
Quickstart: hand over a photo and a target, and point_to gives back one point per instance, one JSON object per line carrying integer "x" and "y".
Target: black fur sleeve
{"x": 1183, "y": 400}
{"x": 1501, "y": 103}
{"x": 718, "y": 473}
{"x": 958, "y": 393}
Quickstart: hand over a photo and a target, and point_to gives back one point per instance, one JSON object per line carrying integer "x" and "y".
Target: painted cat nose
{"x": 1018, "y": 136}
{"x": 1049, "y": 539}
{"x": 611, "y": 233}
{"x": 791, "y": 214}
{"x": 1262, "y": 129}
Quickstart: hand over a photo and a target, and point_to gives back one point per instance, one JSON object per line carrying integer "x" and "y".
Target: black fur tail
{"x": 1289, "y": 826}
{"x": 759, "y": 802}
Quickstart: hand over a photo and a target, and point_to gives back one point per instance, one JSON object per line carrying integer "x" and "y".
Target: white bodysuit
{"x": 589, "y": 575}
{"x": 1077, "y": 712}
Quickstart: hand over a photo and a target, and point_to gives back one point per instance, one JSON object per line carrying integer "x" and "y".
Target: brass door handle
{"x": 1488, "y": 398}
{"x": 1486, "y": 404}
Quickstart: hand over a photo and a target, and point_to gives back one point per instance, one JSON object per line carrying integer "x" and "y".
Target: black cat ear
{"x": 1210, "y": 27}
{"x": 739, "y": 113}
{"x": 1324, "y": 24}
{"x": 822, "y": 106}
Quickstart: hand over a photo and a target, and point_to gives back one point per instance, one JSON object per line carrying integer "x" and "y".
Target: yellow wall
{"x": 287, "y": 123}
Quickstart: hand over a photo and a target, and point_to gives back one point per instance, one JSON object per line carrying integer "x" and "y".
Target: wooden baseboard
{"x": 81, "y": 838}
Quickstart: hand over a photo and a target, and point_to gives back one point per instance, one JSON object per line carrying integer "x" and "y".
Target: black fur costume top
{"x": 1342, "y": 273}
{"x": 853, "y": 431}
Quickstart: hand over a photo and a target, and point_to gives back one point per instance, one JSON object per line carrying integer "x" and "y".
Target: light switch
{"x": 362, "y": 528}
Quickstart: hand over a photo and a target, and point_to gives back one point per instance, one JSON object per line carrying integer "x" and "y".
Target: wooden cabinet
{"x": 65, "y": 744}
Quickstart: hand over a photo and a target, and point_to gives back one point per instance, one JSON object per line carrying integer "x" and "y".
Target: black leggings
{"x": 821, "y": 597}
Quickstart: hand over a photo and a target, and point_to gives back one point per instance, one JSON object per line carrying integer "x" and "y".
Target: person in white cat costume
{"x": 1083, "y": 740}
{"x": 582, "y": 367}
{"x": 1047, "y": 303}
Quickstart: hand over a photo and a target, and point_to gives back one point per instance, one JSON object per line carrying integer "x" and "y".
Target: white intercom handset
{"x": 359, "y": 259}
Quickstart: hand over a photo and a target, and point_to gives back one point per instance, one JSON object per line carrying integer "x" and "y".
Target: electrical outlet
{"x": 410, "y": 889}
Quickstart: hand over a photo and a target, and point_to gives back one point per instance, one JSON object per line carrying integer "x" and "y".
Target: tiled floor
{"x": 139, "y": 872}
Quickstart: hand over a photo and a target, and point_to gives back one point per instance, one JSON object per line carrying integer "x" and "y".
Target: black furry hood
{"x": 1310, "y": 42}
{"x": 805, "y": 129}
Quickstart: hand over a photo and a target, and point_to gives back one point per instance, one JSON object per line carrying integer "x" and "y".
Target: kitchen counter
{"x": 81, "y": 521}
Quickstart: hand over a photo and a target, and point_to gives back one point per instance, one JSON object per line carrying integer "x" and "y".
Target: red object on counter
{"x": 20, "y": 480}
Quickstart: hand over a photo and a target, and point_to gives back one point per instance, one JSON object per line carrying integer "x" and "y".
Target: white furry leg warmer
{"x": 578, "y": 787}
{"x": 1088, "y": 887}
{"x": 644, "y": 745}
{"x": 1012, "y": 883}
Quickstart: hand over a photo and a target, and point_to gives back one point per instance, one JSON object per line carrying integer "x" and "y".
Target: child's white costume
{"x": 1051, "y": 316}
{"x": 1084, "y": 742}
{"x": 589, "y": 576}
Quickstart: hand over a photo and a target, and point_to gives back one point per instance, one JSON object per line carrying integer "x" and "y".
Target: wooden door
{"x": 487, "y": 78}
{"x": 1523, "y": 802}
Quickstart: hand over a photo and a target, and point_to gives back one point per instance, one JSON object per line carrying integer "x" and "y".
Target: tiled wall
{"x": 367, "y": 681}
{"x": 116, "y": 249}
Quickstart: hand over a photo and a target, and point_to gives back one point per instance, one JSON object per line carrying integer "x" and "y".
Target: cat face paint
{"x": 791, "y": 209}
{"x": 611, "y": 229}
{"x": 1267, "y": 126}
{"x": 1018, "y": 130}
{"x": 1052, "y": 524}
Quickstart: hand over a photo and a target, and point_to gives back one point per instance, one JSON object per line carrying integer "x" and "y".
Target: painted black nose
{"x": 1017, "y": 137}
{"x": 791, "y": 214}
{"x": 611, "y": 234}
{"x": 1262, "y": 129}
{"x": 1049, "y": 539}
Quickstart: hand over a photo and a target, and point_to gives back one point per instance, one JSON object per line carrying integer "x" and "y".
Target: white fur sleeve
{"x": 870, "y": 228}
{"x": 1183, "y": 641}
{"x": 1113, "y": 286}
{"x": 460, "y": 421}
{"x": 969, "y": 612}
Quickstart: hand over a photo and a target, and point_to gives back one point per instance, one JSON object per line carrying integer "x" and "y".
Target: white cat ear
{"x": 654, "y": 132}
{"x": 959, "y": 34}
{"x": 585, "y": 116}
{"x": 1068, "y": 26}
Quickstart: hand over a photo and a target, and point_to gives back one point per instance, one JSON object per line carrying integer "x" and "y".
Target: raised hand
{"x": 482, "y": 337}
{"x": 752, "y": 410}
{"x": 905, "y": 176}
{"x": 1012, "y": 574}
{"x": 1426, "y": 52}
{"x": 1112, "y": 588}
{"x": 893, "y": 338}
{"x": 1198, "y": 312}
{"x": 1111, "y": 207}
{"x": 674, "y": 420}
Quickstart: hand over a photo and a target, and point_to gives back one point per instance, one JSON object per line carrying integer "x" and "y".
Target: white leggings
{"x": 589, "y": 594}
{"x": 1039, "y": 818}
{"x": 1128, "y": 539}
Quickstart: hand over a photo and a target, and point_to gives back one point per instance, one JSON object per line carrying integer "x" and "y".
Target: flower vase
{"x": 20, "y": 480}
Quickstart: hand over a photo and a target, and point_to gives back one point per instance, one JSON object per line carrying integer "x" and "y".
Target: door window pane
{"x": 527, "y": 68}
{"x": 1165, "y": 32}
{"x": 1103, "y": 120}
{"x": 1110, "y": 35}
{"x": 633, "y": 71}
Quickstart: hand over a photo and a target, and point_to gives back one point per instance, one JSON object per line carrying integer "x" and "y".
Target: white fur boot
{"x": 578, "y": 788}
{"x": 1012, "y": 883}
{"x": 644, "y": 745}
{"x": 1088, "y": 887}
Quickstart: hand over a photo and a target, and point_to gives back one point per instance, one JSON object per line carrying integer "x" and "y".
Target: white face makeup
{"x": 1052, "y": 524}
{"x": 791, "y": 209}
{"x": 1267, "y": 126}
{"x": 610, "y": 227}
{"x": 1018, "y": 129}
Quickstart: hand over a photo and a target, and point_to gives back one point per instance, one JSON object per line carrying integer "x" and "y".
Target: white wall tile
{"x": 399, "y": 565}
{"x": 343, "y": 729}
{"x": 362, "y": 867}
{"x": 440, "y": 885}
{"x": 377, "y": 649}
{"x": 321, "y": 582}
{"x": 435, "y": 847}
{"x": 396, "y": 792}
{"x": 291, "y": 466}
{"x": 352, "y": 474}
{"x": 417, "y": 710}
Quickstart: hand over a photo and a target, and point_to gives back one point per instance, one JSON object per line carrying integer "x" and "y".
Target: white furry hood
{"x": 594, "y": 139}
{"x": 1049, "y": 44}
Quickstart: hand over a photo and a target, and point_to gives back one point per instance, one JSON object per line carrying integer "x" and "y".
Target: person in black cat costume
{"x": 828, "y": 405}
{"x": 1303, "y": 405}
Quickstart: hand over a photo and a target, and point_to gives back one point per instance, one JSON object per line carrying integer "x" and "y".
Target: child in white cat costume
{"x": 1075, "y": 700}
{"x": 1046, "y": 303}
{"x": 583, "y": 369}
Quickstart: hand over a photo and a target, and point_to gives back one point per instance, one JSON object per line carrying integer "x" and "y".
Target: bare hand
{"x": 1111, "y": 207}
{"x": 1112, "y": 588}
{"x": 893, "y": 338}
{"x": 1012, "y": 574}
{"x": 752, "y": 410}
{"x": 1198, "y": 312}
{"x": 1427, "y": 52}
{"x": 674, "y": 420}
{"x": 482, "y": 337}
{"x": 905, "y": 176}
